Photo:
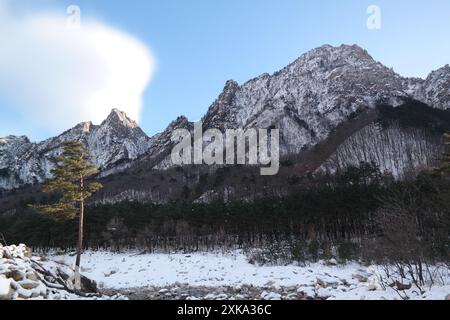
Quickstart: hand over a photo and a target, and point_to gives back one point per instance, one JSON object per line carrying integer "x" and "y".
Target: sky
{"x": 159, "y": 59}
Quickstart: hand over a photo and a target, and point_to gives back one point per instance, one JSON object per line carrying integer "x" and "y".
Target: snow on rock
{"x": 435, "y": 89}
{"x": 23, "y": 276}
{"x": 270, "y": 296}
{"x": 6, "y": 291}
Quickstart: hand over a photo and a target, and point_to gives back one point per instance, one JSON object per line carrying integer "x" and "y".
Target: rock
{"x": 264, "y": 294}
{"x": 373, "y": 285}
{"x": 221, "y": 296}
{"x": 14, "y": 274}
{"x": 6, "y": 253}
{"x": 27, "y": 252}
{"x": 344, "y": 282}
{"x": 359, "y": 277}
{"x": 332, "y": 262}
{"x": 6, "y": 291}
{"x": 28, "y": 284}
{"x": 110, "y": 273}
{"x": 19, "y": 278}
{"x": 25, "y": 294}
{"x": 270, "y": 283}
{"x": 307, "y": 292}
{"x": 272, "y": 296}
{"x": 88, "y": 285}
{"x": 31, "y": 275}
{"x": 401, "y": 286}
{"x": 321, "y": 283}
{"x": 291, "y": 296}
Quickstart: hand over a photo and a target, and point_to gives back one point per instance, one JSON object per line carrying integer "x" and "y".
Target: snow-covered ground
{"x": 164, "y": 272}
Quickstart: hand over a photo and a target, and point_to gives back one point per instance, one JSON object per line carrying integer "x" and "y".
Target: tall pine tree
{"x": 69, "y": 178}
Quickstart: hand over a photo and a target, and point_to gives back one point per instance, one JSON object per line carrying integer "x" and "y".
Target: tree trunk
{"x": 80, "y": 237}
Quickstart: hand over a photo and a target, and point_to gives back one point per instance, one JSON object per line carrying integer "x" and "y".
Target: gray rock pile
{"x": 24, "y": 276}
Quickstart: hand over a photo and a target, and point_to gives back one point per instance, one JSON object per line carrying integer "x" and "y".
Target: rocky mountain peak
{"x": 231, "y": 86}
{"x": 117, "y": 117}
{"x": 180, "y": 123}
{"x": 117, "y": 140}
{"x": 82, "y": 128}
{"x": 14, "y": 139}
{"x": 343, "y": 50}
{"x": 328, "y": 57}
{"x": 435, "y": 89}
{"x": 220, "y": 111}
{"x": 441, "y": 73}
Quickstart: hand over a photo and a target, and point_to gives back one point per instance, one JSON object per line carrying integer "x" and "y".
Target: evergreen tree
{"x": 69, "y": 175}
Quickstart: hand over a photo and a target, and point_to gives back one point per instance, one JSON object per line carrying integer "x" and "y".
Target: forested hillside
{"x": 340, "y": 215}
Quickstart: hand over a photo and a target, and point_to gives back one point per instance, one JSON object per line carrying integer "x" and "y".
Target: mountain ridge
{"x": 307, "y": 100}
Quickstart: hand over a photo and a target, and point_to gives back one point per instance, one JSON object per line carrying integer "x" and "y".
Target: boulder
{"x": 6, "y": 291}
{"x": 372, "y": 287}
{"x": 88, "y": 285}
{"x": 16, "y": 275}
{"x": 31, "y": 275}
{"x": 28, "y": 284}
{"x": 372, "y": 284}
{"x": 359, "y": 277}
{"x": 401, "y": 286}
{"x": 27, "y": 252}
{"x": 6, "y": 253}
{"x": 332, "y": 262}
{"x": 25, "y": 294}
{"x": 321, "y": 283}
{"x": 272, "y": 296}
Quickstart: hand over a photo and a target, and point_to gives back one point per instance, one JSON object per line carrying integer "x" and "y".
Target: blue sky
{"x": 199, "y": 44}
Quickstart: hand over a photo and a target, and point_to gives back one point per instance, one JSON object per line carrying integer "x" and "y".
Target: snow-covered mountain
{"x": 309, "y": 98}
{"x": 324, "y": 99}
{"x": 116, "y": 140}
{"x": 312, "y": 97}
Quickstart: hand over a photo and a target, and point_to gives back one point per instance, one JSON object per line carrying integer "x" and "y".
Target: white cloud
{"x": 56, "y": 76}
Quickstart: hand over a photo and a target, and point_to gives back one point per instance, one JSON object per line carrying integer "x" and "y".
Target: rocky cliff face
{"x": 310, "y": 97}
{"x": 435, "y": 89}
{"x": 324, "y": 88}
{"x": 310, "y": 101}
